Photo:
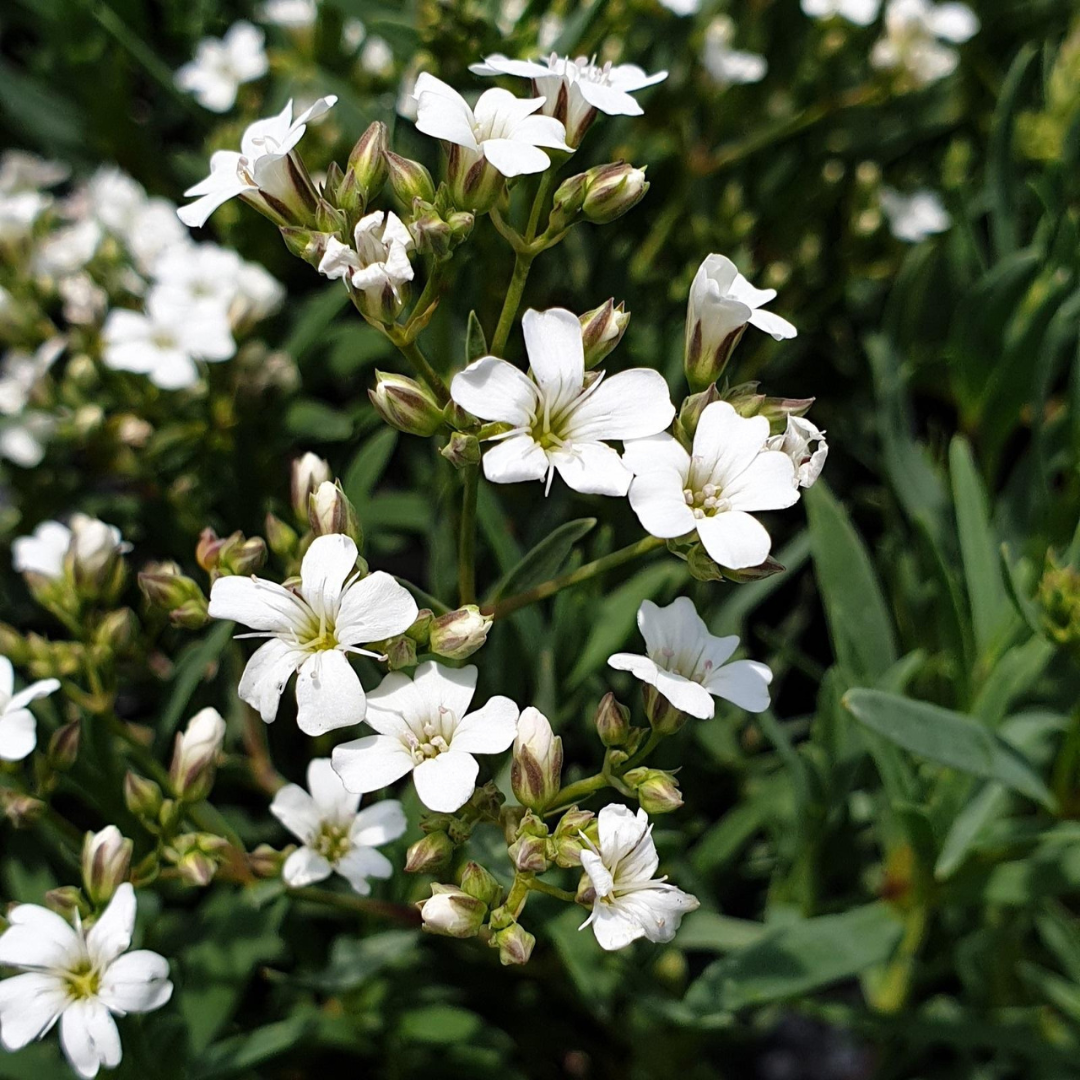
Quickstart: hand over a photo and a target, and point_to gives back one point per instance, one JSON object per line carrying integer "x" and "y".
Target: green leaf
{"x": 241, "y": 1053}
{"x": 797, "y": 959}
{"x": 475, "y": 341}
{"x": 706, "y": 931}
{"x": 948, "y": 738}
{"x": 545, "y": 560}
{"x": 860, "y": 625}
{"x": 190, "y": 671}
{"x": 318, "y": 422}
{"x": 439, "y": 1024}
{"x": 367, "y": 466}
{"x": 353, "y": 961}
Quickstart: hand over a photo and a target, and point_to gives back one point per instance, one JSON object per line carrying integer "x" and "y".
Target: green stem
{"x": 651, "y": 743}
{"x": 577, "y": 792}
{"x": 411, "y": 351}
{"x": 590, "y": 570}
{"x": 522, "y": 265}
{"x": 359, "y": 905}
{"x": 467, "y": 540}
{"x": 430, "y": 290}
{"x": 536, "y": 885}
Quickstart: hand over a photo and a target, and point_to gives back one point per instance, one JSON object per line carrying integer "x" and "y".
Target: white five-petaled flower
{"x": 92, "y": 543}
{"x": 560, "y": 418}
{"x": 859, "y": 12}
{"x": 164, "y": 341}
{"x": 501, "y": 129}
{"x": 914, "y": 217}
{"x": 334, "y": 837}
{"x": 725, "y": 65}
{"x": 378, "y": 264}
{"x": 689, "y": 666}
{"x": 630, "y": 903}
{"x": 23, "y": 432}
{"x": 83, "y": 978}
{"x": 795, "y": 441}
{"x": 260, "y": 166}
{"x": 424, "y": 727}
{"x": 18, "y": 730}
{"x": 222, "y": 65}
{"x": 730, "y": 475}
{"x": 311, "y": 629}
{"x": 915, "y": 33}
{"x": 574, "y": 90}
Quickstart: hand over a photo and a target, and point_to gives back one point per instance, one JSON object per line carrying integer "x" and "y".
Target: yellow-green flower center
{"x": 332, "y": 842}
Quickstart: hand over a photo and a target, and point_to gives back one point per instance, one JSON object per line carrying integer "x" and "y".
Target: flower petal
{"x": 631, "y": 405}
{"x": 593, "y": 468}
{"x": 726, "y": 443}
{"x": 89, "y": 1037}
{"x": 304, "y": 867}
{"x": 18, "y": 734}
{"x": 439, "y": 687}
{"x": 374, "y": 608}
{"x": 327, "y": 564}
{"x": 744, "y": 683}
{"x": 556, "y": 354}
{"x": 620, "y": 830}
{"x": 361, "y": 863}
{"x": 111, "y": 934}
{"x": 613, "y": 928}
{"x": 296, "y": 810}
{"x": 29, "y": 1006}
{"x": 333, "y": 801}
{"x": 515, "y": 460}
{"x": 269, "y": 669}
{"x": 371, "y": 763}
{"x": 767, "y": 483}
{"x": 136, "y": 982}
{"x": 488, "y": 730}
{"x": 492, "y": 389}
{"x": 512, "y": 157}
{"x": 686, "y": 695}
{"x": 328, "y": 693}
{"x": 38, "y": 938}
{"x": 445, "y": 783}
{"x": 442, "y": 112}
{"x": 780, "y": 328}
{"x": 735, "y": 539}
{"x": 378, "y": 824}
{"x": 36, "y": 690}
{"x": 262, "y": 605}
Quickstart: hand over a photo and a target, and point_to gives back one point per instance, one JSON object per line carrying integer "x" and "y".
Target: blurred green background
{"x": 889, "y": 880}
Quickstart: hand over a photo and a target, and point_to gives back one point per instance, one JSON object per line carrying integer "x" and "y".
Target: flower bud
{"x": 330, "y": 511}
{"x": 142, "y": 796}
{"x": 21, "y": 810}
{"x": 265, "y": 861}
{"x": 306, "y": 244}
{"x": 529, "y": 854}
{"x": 567, "y": 201}
{"x": 195, "y": 755}
{"x": 612, "y": 190}
{"x": 409, "y": 180}
{"x": 778, "y": 410}
{"x": 406, "y": 405}
{"x": 349, "y": 197}
{"x": 462, "y": 450}
{"x": 420, "y": 631}
{"x": 196, "y": 856}
{"x": 690, "y": 413}
{"x": 118, "y": 631}
{"x": 586, "y": 893}
{"x": 196, "y": 868}
{"x": 701, "y": 565}
{"x": 240, "y": 555}
{"x": 745, "y": 399}
{"x": 192, "y": 615}
{"x": 280, "y": 537}
{"x": 430, "y": 854}
{"x": 367, "y": 161}
{"x": 66, "y": 901}
{"x": 13, "y": 645}
{"x": 96, "y": 557}
{"x": 536, "y": 770}
{"x": 400, "y": 652}
{"x": 460, "y": 633}
{"x": 602, "y": 329}
{"x": 64, "y": 746}
{"x": 474, "y": 183}
{"x": 663, "y": 716}
{"x": 329, "y": 219}
{"x": 657, "y": 791}
{"x": 452, "y": 912}
{"x": 480, "y": 883}
{"x": 208, "y": 549}
{"x": 612, "y": 721}
{"x": 515, "y": 944}
{"x": 165, "y": 587}
{"x": 568, "y": 839}
{"x": 106, "y": 859}
{"x": 308, "y": 472}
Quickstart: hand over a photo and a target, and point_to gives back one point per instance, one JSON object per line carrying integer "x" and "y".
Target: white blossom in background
{"x": 311, "y": 629}
{"x": 334, "y": 834}
{"x": 258, "y": 295}
{"x": 18, "y": 212}
{"x": 165, "y": 341}
{"x": 560, "y": 420}
{"x": 353, "y": 32}
{"x": 67, "y": 250}
{"x": 195, "y": 275}
{"x": 154, "y": 230}
{"x": 575, "y": 89}
{"x": 81, "y": 978}
{"x": 915, "y": 35}
{"x": 378, "y": 263}
{"x": 18, "y": 729}
{"x": 222, "y": 65}
{"x": 110, "y": 197}
{"x": 501, "y": 129}
{"x": 43, "y": 551}
{"x": 258, "y": 164}
{"x": 23, "y": 432}
{"x": 682, "y": 7}
{"x": 914, "y": 217}
{"x": 796, "y": 441}
{"x": 730, "y": 475}
{"x": 84, "y": 301}
{"x": 424, "y": 727}
{"x": 22, "y": 171}
{"x": 690, "y": 666}
{"x": 859, "y": 12}
{"x": 630, "y": 903}
{"x": 725, "y": 65}
{"x": 376, "y": 57}
{"x": 291, "y": 14}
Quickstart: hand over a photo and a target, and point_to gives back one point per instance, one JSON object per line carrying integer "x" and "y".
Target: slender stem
{"x": 359, "y": 905}
{"x": 651, "y": 744}
{"x": 263, "y": 772}
{"x": 575, "y": 577}
{"x": 522, "y": 265}
{"x": 467, "y": 540}
{"x": 576, "y": 792}
{"x": 536, "y": 885}
{"x": 430, "y": 292}
{"x": 411, "y": 351}
{"x": 542, "y": 193}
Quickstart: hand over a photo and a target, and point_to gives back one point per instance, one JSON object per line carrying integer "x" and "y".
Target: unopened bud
{"x": 368, "y": 162}
{"x": 515, "y": 944}
{"x": 478, "y": 882}
{"x": 690, "y": 413}
{"x": 21, "y": 810}
{"x": 409, "y": 180}
{"x": 430, "y": 854}
{"x": 536, "y": 769}
{"x": 64, "y": 746}
{"x": 118, "y": 631}
{"x": 208, "y": 549}
{"x": 777, "y": 410}
{"x": 462, "y": 450}
{"x": 192, "y": 615}
{"x": 165, "y": 587}
{"x": 586, "y": 892}
{"x": 106, "y": 859}
{"x": 308, "y": 472}
{"x": 400, "y": 652}
{"x": 663, "y": 716}
{"x": 452, "y": 912}
{"x": 754, "y": 573}
{"x": 602, "y": 329}
{"x": 142, "y": 796}
{"x": 66, "y": 901}
{"x": 460, "y": 633}
{"x": 701, "y": 565}
{"x": 475, "y": 184}
{"x": 196, "y": 868}
{"x": 612, "y": 721}
{"x": 329, "y": 219}
{"x": 306, "y": 244}
{"x": 406, "y": 405}
{"x": 13, "y": 645}
{"x": 745, "y": 399}
{"x": 567, "y": 202}
{"x": 242, "y": 556}
{"x": 96, "y": 557}
{"x": 265, "y": 861}
{"x": 280, "y": 537}
{"x": 420, "y": 630}
{"x": 657, "y": 791}
{"x": 612, "y": 190}
{"x": 195, "y": 755}
{"x": 568, "y": 836}
{"x": 530, "y": 854}
{"x": 330, "y": 511}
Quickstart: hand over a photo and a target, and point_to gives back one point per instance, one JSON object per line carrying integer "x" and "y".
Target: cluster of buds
{"x": 233, "y": 554}
{"x": 461, "y": 910}
{"x": 437, "y": 226}
{"x": 196, "y": 856}
{"x": 166, "y": 587}
{"x": 600, "y": 195}
{"x": 657, "y": 791}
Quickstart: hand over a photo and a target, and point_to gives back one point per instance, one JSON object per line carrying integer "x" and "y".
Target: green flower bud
{"x": 663, "y": 716}
{"x": 431, "y": 854}
{"x": 330, "y": 511}
{"x": 462, "y": 450}
{"x": 657, "y": 791}
{"x": 368, "y": 161}
{"x": 307, "y": 474}
{"x": 193, "y": 615}
{"x": 701, "y": 565}
{"x": 567, "y": 838}
{"x": 141, "y": 796}
{"x": 400, "y": 652}
{"x": 21, "y": 810}
{"x": 242, "y": 556}
{"x": 515, "y": 945}
{"x": 612, "y": 190}
{"x": 195, "y": 755}
{"x": 745, "y": 399}
{"x": 306, "y": 244}
{"x": 690, "y": 413}
{"x": 460, "y": 633}
{"x": 536, "y": 769}
{"x": 420, "y": 630}
{"x": 480, "y": 883}
{"x": 612, "y": 721}
{"x": 196, "y": 868}
{"x": 409, "y": 180}
{"x": 165, "y": 587}
{"x": 452, "y": 912}
{"x": 530, "y": 854}
{"x": 474, "y": 183}
{"x": 265, "y": 861}
{"x": 106, "y": 859}
{"x": 64, "y": 746}
{"x": 602, "y": 329}
{"x": 66, "y": 901}
{"x": 118, "y": 631}
{"x": 406, "y": 405}
{"x": 567, "y": 202}
{"x": 280, "y": 537}
{"x": 329, "y": 219}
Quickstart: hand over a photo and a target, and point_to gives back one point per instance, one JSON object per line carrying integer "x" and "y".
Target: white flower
{"x": 689, "y": 666}
{"x": 85, "y": 302}
{"x": 353, "y": 32}
{"x": 193, "y": 274}
{"x": 682, "y": 7}
{"x": 260, "y": 164}
{"x": 630, "y": 903}
{"x": 20, "y": 372}
{"x": 334, "y": 837}
{"x": 728, "y": 66}
{"x": 43, "y": 551}
{"x": 18, "y": 731}
{"x": 795, "y": 442}
{"x": 18, "y": 212}
{"x": 502, "y": 129}
{"x": 378, "y": 264}
{"x": 222, "y": 65}
{"x": 574, "y": 90}
{"x": 81, "y": 978}
{"x": 195, "y": 754}
{"x": 914, "y": 32}
{"x": 68, "y": 250}
{"x": 165, "y": 341}
{"x": 94, "y": 545}
{"x": 916, "y": 216}
{"x": 311, "y": 629}
{"x": 559, "y": 419}
{"x": 424, "y": 727}
{"x": 23, "y": 438}
{"x": 112, "y": 198}
{"x": 20, "y": 171}
{"x": 730, "y": 475}
{"x": 153, "y": 230}
{"x": 859, "y": 12}
{"x": 293, "y": 14}
{"x": 258, "y": 295}
{"x": 376, "y": 58}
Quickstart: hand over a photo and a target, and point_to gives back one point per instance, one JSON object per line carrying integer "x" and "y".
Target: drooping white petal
{"x": 36, "y": 690}
{"x": 513, "y": 157}
{"x": 89, "y": 1037}
{"x": 488, "y": 730}
{"x": 613, "y": 928}
{"x": 18, "y": 734}
{"x": 269, "y": 669}
{"x": 371, "y": 763}
{"x": 374, "y": 608}
{"x": 304, "y": 867}
{"x": 515, "y": 460}
{"x": 446, "y": 782}
{"x": 735, "y": 539}
{"x": 136, "y": 982}
{"x": 443, "y": 113}
{"x": 593, "y": 468}
{"x": 328, "y": 693}
{"x": 744, "y": 683}
{"x": 772, "y": 324}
